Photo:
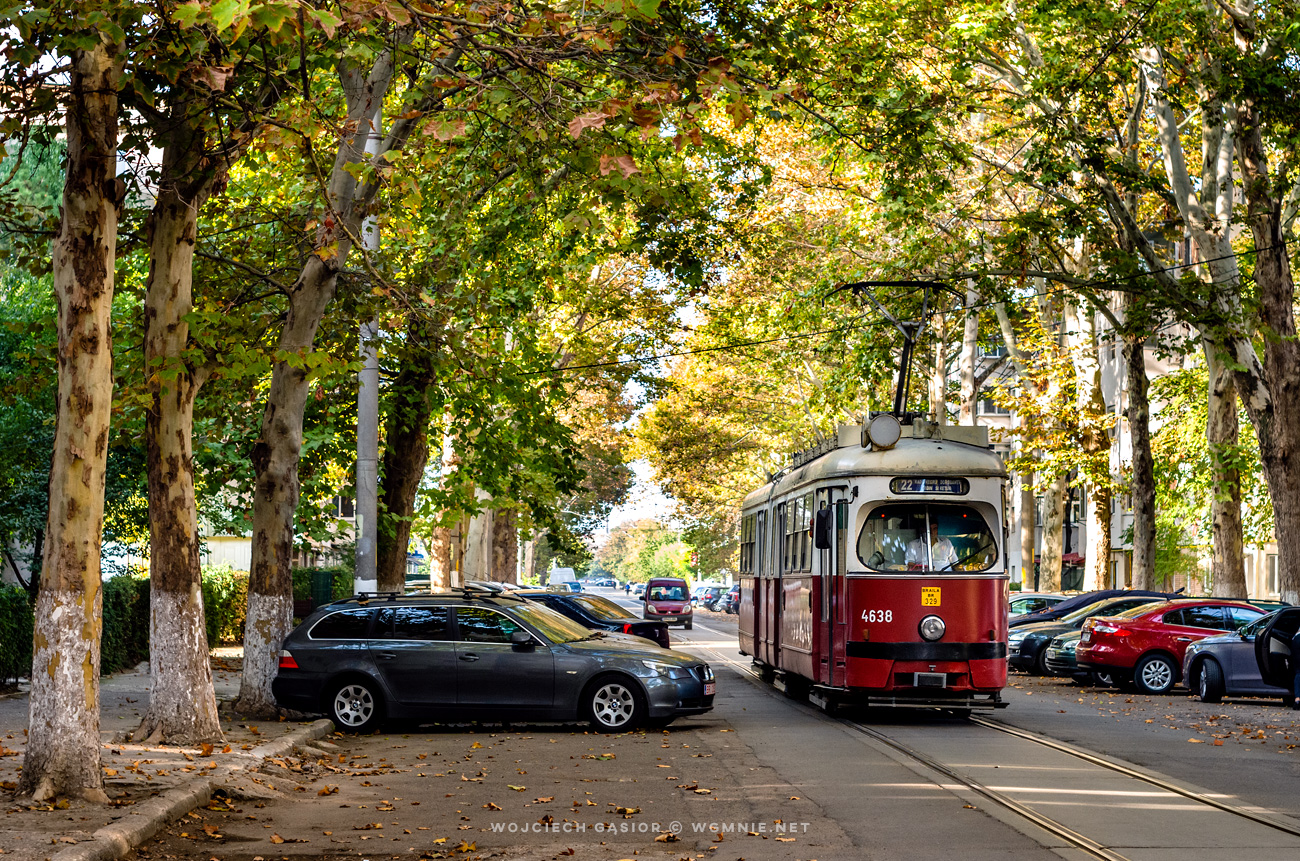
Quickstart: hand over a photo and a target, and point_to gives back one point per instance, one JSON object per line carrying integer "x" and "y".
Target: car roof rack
{"x": 370, "y": 596}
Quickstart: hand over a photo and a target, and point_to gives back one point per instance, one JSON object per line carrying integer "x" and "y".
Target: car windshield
{"x": 1250, "y": 629}
{"x": 602, "y": 608}
{"x": 909, "y": 536}
{"x": 553, "y": 626}
{"x": 667, "y": 593}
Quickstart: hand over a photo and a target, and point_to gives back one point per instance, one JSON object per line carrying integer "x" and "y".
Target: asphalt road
{"x": 759, "y": 777}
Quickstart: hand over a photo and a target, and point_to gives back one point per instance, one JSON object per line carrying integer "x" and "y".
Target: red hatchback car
{"x": 1145, "y": 645}
{"x": 668, "y": 599}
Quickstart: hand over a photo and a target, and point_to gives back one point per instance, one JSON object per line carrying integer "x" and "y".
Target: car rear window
{"x": 601, "y": 608}
{"x": 351, "y": 624}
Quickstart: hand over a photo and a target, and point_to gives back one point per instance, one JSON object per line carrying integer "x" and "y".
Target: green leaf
{"x": 186, "y": 13}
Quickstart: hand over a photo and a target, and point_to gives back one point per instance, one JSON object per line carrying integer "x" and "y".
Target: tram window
{"x": 921, "y": 537}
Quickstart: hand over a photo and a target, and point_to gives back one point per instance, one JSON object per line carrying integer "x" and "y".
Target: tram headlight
{"x": 932, "y": 628}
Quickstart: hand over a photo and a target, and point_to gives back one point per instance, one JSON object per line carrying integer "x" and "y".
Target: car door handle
{"x": 1183, "y": 639}
{"x": 470, "y": 657}
{"x": 386, "y": 656}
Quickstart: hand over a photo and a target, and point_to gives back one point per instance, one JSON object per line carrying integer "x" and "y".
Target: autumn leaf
{"x": 586, "y": 121}
{"x": 516, "y": 788}
{"x": 666, "y": 837}
{"x": 276, "y": 838}
{"x": 623, "y": 163}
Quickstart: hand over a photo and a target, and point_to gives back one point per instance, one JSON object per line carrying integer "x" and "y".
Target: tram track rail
{"x": 1021, "y": 810}
{"x": 1135, "y": 774}
{"x": 1046, "y": 823}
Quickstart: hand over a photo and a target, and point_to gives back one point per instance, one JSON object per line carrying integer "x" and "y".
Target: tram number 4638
{"x": 877, "y": 615}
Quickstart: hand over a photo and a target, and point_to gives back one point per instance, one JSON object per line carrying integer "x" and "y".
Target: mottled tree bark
{"x": 1055, "y": 497}
{"x": 1095, "y": 442}
{"x": 63, "y": 746}
{"x": 505, "y": 546}
{"x": 406, "y": 452}
{"x": 1142, "y": 485}
{"x": 969, "y": 391}
{"x": 182, "y": 703}
{"x": 276, "y": 453}
{"x": 1227, "y": 561}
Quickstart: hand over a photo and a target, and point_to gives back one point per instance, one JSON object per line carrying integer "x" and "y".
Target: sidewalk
{"x": 149, "y": 786}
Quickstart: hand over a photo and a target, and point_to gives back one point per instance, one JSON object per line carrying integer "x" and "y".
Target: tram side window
{"x": 798, "y": 542}
{"x": 926, "y": 537}
{"x": 747, "y": 544}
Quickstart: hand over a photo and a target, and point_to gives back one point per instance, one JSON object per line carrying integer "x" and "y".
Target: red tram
{"x": 874, "y": 571}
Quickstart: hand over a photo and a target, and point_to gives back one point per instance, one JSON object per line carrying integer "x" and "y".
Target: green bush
{"x": 16, "y": 618}
{"x": 225, "y": 602}
{"x": 126, "y": 623}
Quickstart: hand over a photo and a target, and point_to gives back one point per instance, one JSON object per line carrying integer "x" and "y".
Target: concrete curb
{"x": 115, "y": 840}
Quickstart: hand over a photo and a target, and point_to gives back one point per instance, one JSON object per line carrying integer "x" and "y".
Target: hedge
{"x": 15, "y": 633}
{"x": 125, "y": 640}
{"x": 225, "y": 602}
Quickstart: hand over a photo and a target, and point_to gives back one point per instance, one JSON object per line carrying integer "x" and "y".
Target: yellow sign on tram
{"x": 929, "y": 596}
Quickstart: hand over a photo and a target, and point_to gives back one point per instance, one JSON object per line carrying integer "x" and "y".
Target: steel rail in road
{"x": 1199, "y": 797}
{"x": 1046, "y": 823}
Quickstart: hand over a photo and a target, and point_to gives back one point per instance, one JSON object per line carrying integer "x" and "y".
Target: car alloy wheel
{"x": 1154, "y": 674}
{"x": 613, "y": 705}
{"x": 355, "y": 707}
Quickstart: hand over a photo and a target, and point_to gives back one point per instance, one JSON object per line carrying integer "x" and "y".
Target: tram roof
{"x": 909, "y": 457}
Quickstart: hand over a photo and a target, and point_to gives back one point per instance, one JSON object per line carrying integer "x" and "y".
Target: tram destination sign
{"x": 952, "y": 486}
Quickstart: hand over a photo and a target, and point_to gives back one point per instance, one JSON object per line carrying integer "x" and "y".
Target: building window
{"x": 988, "y": 408}
{"x": 345, "y": 506}
{"x": 994, "y": 351}
{"x": 1273, "y": 586}
{"x": 1078, "y": 511}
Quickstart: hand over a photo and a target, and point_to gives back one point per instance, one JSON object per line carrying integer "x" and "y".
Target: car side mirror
{"x": 522, "y": 640}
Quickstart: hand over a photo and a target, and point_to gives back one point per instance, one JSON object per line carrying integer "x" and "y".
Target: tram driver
{"x": 942, "y": 554}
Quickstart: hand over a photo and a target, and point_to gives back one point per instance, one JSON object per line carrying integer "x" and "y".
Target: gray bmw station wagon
{"x": 477, "y": 655}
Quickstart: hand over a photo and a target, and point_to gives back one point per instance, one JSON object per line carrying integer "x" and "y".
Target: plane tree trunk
{"x": 63, "y": 745}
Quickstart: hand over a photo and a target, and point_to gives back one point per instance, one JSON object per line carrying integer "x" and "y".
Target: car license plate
{"x": 1086, "y": 638}
{"x": 710, "y": 688}
{"x": 667, "y": 618}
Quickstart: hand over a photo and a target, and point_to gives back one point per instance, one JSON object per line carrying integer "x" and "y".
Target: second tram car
{"x": 875, "y": 571}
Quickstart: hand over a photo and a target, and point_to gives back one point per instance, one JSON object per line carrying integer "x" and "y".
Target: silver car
{"x": 1254, "y": 660}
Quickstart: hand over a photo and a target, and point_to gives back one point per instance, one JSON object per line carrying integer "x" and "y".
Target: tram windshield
{"x": 926, "y": 537}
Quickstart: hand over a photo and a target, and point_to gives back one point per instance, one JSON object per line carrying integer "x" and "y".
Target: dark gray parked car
{"x": 1254, "y": 660}
{"x": 475, "y": 655}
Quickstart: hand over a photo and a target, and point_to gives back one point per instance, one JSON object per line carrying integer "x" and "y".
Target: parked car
{"x": 730, "y": 602}
{"x": 1146, "y": 645}
{"x": 1069, "y": 605}
{"x": 668, "y": 600}
{"x": 1255, "y": 660}
{"x": 569, "y": 588}
{"x": 709, "y": 597}
{"x": 638, "y": 589}
{"x": 1060, "y": 661}
{"x": 469, "y": 655}
{"x": 599, "y": 614}
{"x": 1027, "y": 644}
{"x": 1021, "y": 603}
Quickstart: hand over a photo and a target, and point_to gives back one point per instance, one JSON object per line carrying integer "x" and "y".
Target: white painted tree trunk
{"x": 63, "y": 745}
{"x": 969, "y": 357}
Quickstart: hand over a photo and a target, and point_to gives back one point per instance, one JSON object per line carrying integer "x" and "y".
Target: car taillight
{"x": 1105, "y": 628}
{"x": 287, "y": 662}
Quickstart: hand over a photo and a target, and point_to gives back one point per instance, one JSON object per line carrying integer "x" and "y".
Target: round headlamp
{"x": 932, "y": 628}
